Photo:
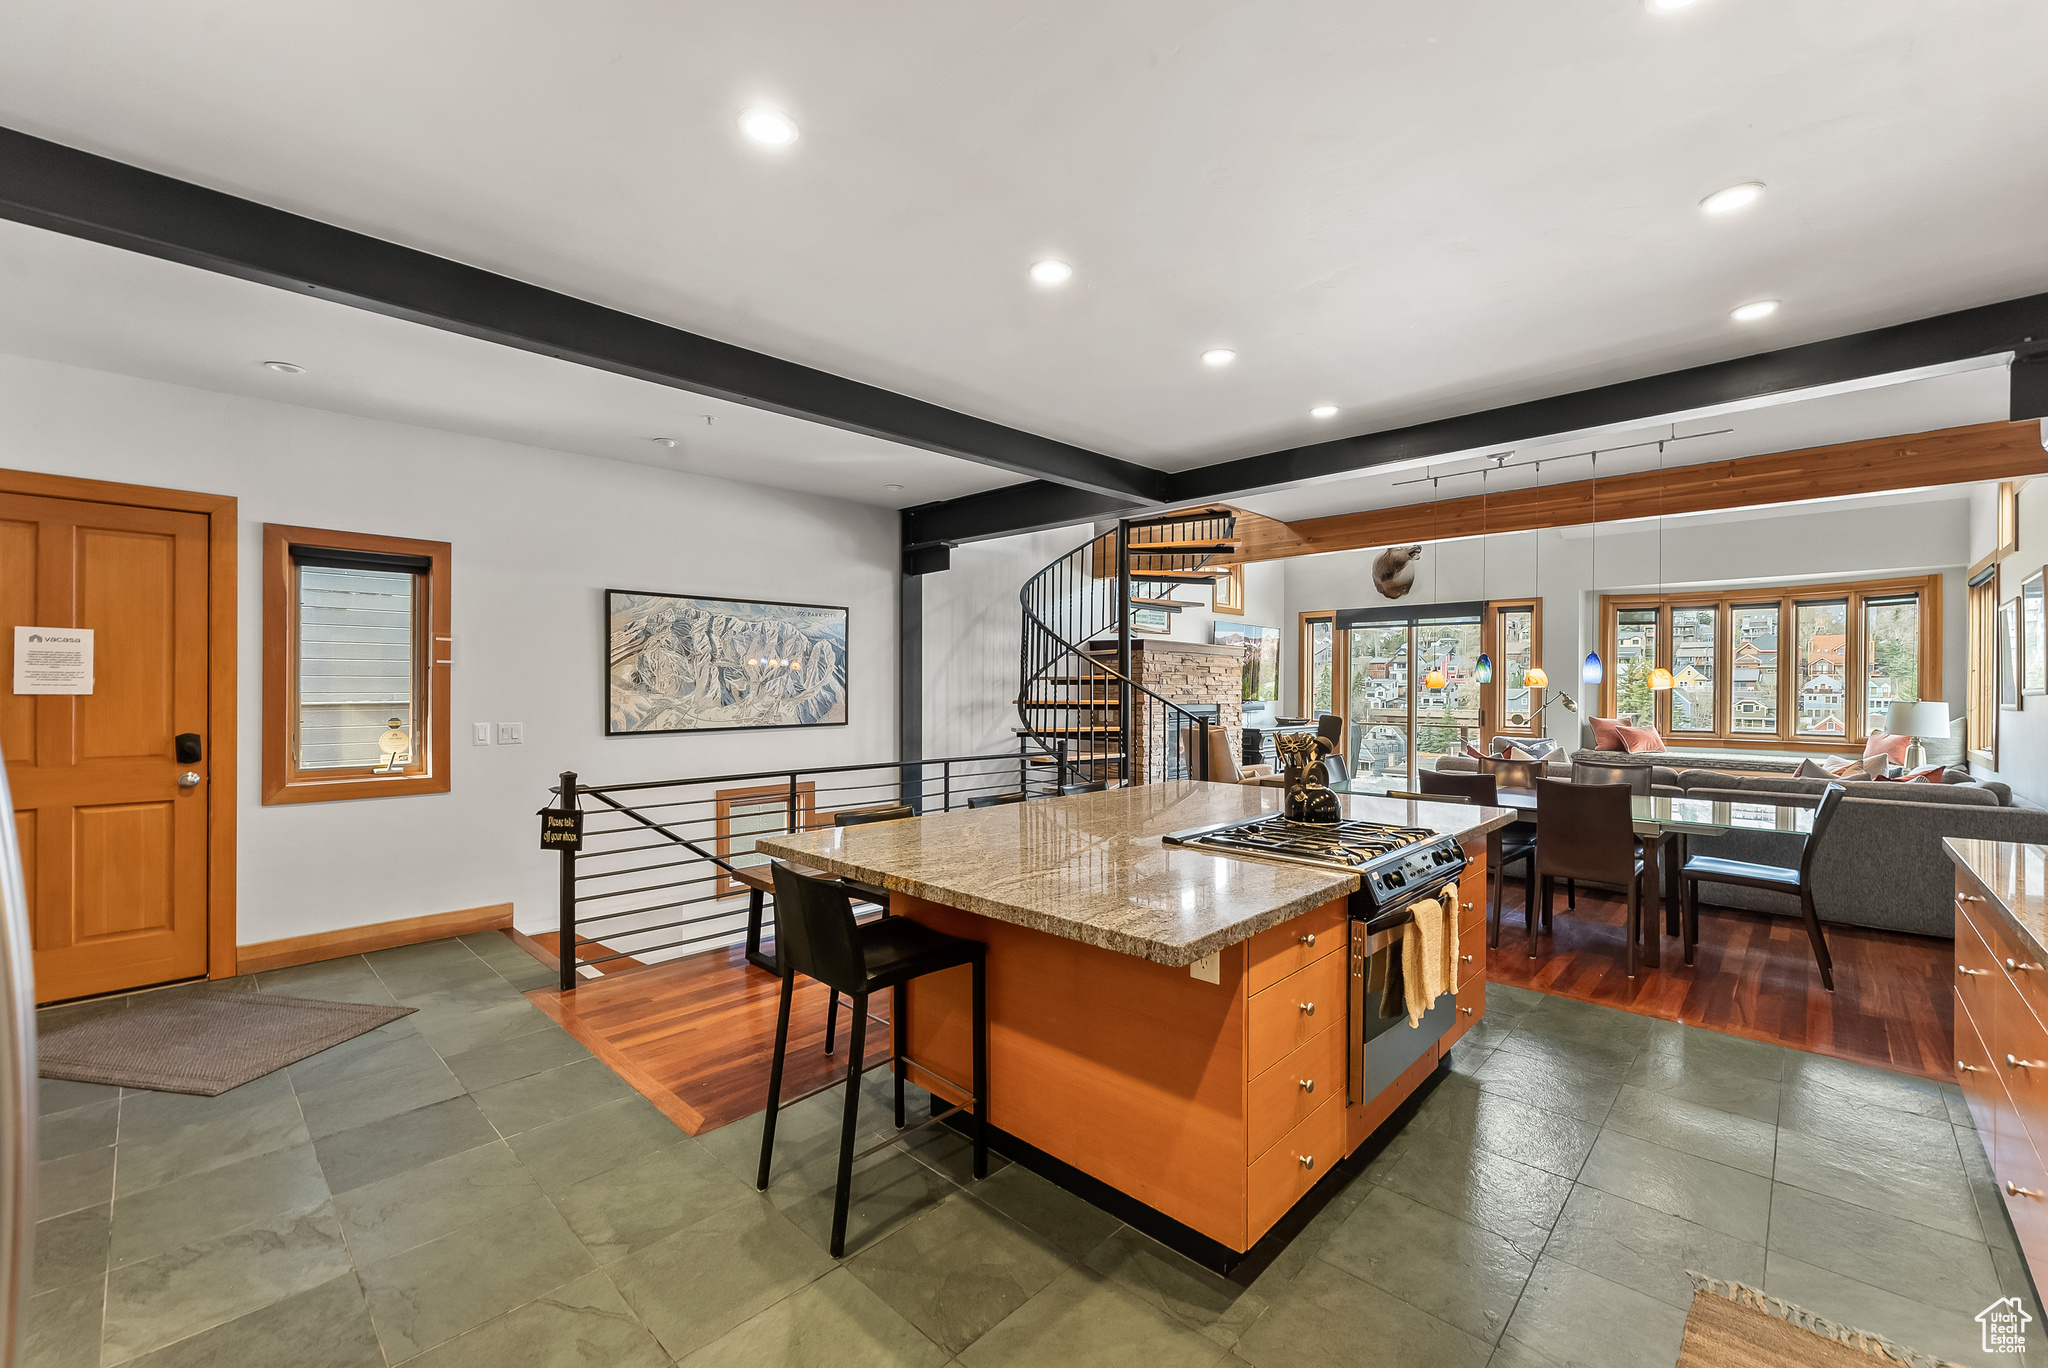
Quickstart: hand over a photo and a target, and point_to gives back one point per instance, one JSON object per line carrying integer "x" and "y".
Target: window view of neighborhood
{"x": 1753, "y": 672}
{"x": 1387, "y": 666}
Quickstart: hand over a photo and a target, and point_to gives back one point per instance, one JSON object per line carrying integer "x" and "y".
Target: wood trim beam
{"x": 1963, "y": 455}
{"x": 49, "y": 185}
{"x": 358, "y": 940}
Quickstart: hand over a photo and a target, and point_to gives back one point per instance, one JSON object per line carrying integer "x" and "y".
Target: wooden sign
{"x": 560, "y": 830}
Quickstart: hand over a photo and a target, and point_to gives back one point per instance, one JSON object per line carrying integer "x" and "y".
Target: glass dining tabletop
{"x": 1654, "y": 815}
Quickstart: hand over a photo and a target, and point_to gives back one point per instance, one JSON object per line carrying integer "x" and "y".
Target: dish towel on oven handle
{"x": 1429, "y": 952}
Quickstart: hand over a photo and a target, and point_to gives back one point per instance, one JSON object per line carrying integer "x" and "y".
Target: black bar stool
{"x": 867, "y": 892}
{"x": 816, "y": 935}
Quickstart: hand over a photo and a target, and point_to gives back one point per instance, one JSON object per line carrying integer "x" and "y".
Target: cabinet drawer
{"x": 1293, "y": 945}
{"x": 2019, "y": 1055}
{"x": 1471, "y": 1007}
{"x": 1285, "y": 1095}
{"x": 1471, "y": 957}
{"x": 1471, "y": 912}
{"x": 1978, "y": 1076}
{"x": 1293, "y": 1011}
{"x": 2023, "y": 1185}
{"x": 1979, "y": 979}
{"x": 1277, "y": 1179}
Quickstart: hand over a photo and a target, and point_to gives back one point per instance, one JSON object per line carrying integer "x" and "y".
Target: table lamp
{"x": 1917, "y": 720}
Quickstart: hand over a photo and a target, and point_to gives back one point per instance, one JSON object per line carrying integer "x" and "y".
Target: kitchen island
{"x": 1168, "y": 1028}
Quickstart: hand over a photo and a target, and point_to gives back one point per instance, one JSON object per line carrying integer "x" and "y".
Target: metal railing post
{"x": 1060, "y": 767}
{"x": 793, "y": 828}
{"x": 1123, "y": 642}
{"x": 1202, "y": 739}
{"x": 565, "y": 929}
{"x": 946, "y": 787}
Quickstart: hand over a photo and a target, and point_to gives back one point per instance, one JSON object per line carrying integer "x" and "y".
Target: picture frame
{"x": 1152, "y": 621}
{"x": 1227, "y": 594}
{"x": 2009, "y": 699}
{"x": 1259, "y": 651}
{"x": 2033, "y": 653}
{"x": 694, "y": 663}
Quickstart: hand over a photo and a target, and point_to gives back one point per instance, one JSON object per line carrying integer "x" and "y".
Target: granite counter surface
{"x": 2016, "y": 878}
{"x": 1091, "y": 867}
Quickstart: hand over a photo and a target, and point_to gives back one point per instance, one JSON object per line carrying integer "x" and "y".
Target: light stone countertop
{"x": 1091, "y": 867}
{"x": 2016, "y": 877}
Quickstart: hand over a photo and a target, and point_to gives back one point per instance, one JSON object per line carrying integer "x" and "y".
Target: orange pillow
{"x": 1635, "y": 739}
{"x": 1607, "y": 734}
{"x": 1889, "y": 746}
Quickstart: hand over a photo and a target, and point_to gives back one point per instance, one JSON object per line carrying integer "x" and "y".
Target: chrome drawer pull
{"x": 1308, "y": 1009}
{"x": 1308, "y": 1085}
{"x": 1974, "y": 973}
{"x": 1968, "y": 1068}
{"x": 1466, "y": 958}
{"x": 1309, "y": 940}
{"x": 1466, "y": 906}
{"x": 1968, "y": 897}
{"x": 2018, "y": 1063}
{"x": 2013, "y": 1189}
{"x": 1308, "y": 1161}
{"x": 2019, "y": 968}
{"x": 1466, "y": 1010}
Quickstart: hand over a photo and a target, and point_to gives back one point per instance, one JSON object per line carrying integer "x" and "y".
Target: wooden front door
{"x": 113, "y": 845}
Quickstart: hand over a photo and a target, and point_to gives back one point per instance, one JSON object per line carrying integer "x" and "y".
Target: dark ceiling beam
{"x": 2017, "y": 325}
{"x": 68, "y": 191}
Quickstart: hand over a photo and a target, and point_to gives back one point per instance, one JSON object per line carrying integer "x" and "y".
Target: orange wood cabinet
{"x": 2002, "y": 1057}
{"x": 1217, "y": 1104}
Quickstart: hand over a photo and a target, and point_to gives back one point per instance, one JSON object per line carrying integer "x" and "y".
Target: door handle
{"x": 189, "y": 779}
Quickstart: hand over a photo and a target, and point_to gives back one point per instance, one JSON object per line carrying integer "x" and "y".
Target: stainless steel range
{"x": 1397, "y": 867}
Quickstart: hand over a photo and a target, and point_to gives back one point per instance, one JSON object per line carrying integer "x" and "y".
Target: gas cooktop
{"x": 1396, "y": 865}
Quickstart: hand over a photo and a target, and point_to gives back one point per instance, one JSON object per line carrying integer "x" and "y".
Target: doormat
{"x": 1732, "y": 1325}
{"x": 201, "y": 1042}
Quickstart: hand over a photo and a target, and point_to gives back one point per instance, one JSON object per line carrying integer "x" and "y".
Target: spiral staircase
{"x": 1082, "y": 713}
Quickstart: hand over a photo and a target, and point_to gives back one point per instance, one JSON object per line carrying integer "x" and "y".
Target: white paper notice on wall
{"x": 53, "y": 660}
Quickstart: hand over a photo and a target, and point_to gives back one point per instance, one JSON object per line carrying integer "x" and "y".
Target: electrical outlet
{"x": 1209, "y": 968}
{"x": 479, "y": 733}
{"x": 511, "y": 733}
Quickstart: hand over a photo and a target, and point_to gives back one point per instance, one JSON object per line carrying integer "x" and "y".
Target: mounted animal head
{"x": 1393, "y": 570}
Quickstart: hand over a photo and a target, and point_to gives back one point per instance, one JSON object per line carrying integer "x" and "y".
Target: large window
{"x": 355, "y": 665}
{"x": 1516, "y": 709}
{"x": 1854, "y": 650}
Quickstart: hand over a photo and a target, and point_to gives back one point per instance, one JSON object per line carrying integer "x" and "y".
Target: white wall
{"x": 537, "y": 536}
{"x": 1917, "y": 535}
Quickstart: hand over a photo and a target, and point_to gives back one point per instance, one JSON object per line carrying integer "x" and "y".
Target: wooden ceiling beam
{"x": 1962, "y": 455}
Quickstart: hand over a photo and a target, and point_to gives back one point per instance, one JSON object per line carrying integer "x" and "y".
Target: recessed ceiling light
{"x": 668, "y": 442}
{"x": 1666, "y": 6}
{"x": 1750, "y": 313}
{"x": 894, "y": 489}
{"x": 768, "y": 127}
{"x": 1323, "y": 411}
{"x": 1218, "y": 356}
{"x": 1733, "y": 198}
{"x": 284, "y": 367}
{"x": 1051, "y": 272}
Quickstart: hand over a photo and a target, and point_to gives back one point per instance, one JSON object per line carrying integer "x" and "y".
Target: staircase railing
{"x": 1072, "y": 690}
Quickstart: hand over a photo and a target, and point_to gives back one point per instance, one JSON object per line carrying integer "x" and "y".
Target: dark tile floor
{"x": 468, "y": 1187}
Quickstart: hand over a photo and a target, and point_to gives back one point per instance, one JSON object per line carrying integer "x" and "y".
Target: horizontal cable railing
{"x": 667, "y": 867}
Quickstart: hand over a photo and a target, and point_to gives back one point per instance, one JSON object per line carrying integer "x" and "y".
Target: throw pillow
{"x": 1877, "y": 766}
{"x": 1607, "y": 734}
{"x": 1892, "y": 747}
{"x": 1634, "y": 739}
{"x": 1473, "y": 752}
{"x": 1811, "y": 769}
{"x": 1517, "y": 753}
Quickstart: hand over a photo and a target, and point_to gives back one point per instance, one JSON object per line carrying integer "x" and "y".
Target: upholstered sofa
{"x": 1882, "y": 865}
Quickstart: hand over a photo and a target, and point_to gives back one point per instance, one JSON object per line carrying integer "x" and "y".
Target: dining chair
{"x": 1587, "y": 831}
{"x": 1513, "y": 844}
{"x": 989, "y": 800}
{"x": 1798, "y": 882}
{"x": 1635, "y": 777}
{"x": 820, "y": 939}
{"x": 1330, "y": 727}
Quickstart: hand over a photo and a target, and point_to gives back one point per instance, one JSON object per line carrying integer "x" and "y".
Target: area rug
{"x": 1732, "y": 1325}
{"x": 201, "y": 1042}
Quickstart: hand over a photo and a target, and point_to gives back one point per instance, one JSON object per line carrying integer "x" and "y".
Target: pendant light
{"x": 1482, "y": 670}
{"x": 1660, "y": 678}
{"x": 1592, "y": 672}
{"x": 1434, "y": 678}
{"x": 1535, "y": 677}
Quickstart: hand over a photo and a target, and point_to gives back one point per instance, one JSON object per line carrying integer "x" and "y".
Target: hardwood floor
{"x": 1893, "y": 1004}
{"x": 695, "y": 1035}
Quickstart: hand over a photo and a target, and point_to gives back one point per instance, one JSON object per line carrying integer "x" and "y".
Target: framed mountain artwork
{"x": 677, "y": 663}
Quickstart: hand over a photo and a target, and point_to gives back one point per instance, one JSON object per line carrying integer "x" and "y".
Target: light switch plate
{"x": 480, "y": 733}
{"x": 511, "y": 733}
{"x": 1209, "y": 968}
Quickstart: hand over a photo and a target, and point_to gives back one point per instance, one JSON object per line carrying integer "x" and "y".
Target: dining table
{"x": 1663, "y": 823}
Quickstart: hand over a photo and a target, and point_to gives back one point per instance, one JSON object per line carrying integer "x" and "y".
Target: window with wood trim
{"x": 1318, "y": 689}
{"x": 1813, "y": 667}
{"x": 1514, "y": 633}
{"x": 1980, "y": 710}
{"x": 355, "y": 665}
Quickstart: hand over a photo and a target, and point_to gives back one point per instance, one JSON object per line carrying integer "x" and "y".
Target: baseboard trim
{"x": 356, "y": 940}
